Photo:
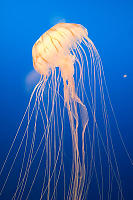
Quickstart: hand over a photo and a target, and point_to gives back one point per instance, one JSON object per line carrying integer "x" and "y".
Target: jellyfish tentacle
{"x": 98, "y": 66}
{"x": 29, "y": 119}
{"x": 50, "y": 176}
{"x": 18, "y": 129}
{"x": 23, "y": 157}
{"x": 24, "y": 181}
{"x": 36, "y": 88}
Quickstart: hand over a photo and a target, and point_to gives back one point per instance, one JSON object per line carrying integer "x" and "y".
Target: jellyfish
{"x": 65, "y": 128}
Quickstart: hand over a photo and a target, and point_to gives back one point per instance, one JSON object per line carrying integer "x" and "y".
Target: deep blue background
{"x": 110, "y": 27}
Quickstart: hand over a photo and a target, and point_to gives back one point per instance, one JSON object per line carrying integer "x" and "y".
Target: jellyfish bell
{"x": 53, "y": 49}
{"x": 54, "y": 46}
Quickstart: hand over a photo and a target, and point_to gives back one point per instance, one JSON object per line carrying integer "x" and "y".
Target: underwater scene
{"x": 66, "y": 106}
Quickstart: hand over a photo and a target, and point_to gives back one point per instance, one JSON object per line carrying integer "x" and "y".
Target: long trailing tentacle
{"x": 36, "y": 87}
{"x": 99, "y": 70}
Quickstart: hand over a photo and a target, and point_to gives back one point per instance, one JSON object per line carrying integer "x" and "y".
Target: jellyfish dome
{"x": 54, "y": 46}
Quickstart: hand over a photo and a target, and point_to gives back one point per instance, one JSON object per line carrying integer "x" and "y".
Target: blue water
{"x": 110, "y": 27}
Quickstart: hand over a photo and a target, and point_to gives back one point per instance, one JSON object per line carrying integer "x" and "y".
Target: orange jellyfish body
{"x": 65, "y": 104}
{"x": 53, "y": 49}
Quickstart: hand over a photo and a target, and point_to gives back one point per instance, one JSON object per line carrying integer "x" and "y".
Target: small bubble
{"x": 125, "y": 76}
